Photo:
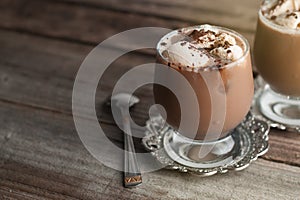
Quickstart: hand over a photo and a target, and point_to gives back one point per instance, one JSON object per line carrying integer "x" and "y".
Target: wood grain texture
{"x": 92, "y": 24}
{"x": 51, "y": 72}
{"x": 289, "y": 150}
{"x": 236, "y": 14}
{"x": 74, "y": 22}
{"x": 43, "y": 158}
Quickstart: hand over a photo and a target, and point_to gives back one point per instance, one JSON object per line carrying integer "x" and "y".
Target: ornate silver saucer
{"x": 252, "y": 135}
{"x": 259, "y": 85}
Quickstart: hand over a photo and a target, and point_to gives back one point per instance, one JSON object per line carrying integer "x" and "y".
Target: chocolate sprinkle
{"x": 183, "y": 43}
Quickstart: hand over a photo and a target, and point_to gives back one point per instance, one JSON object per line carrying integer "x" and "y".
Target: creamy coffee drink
{"x": 277, "y": 45}
{"x": 201, "y": 54}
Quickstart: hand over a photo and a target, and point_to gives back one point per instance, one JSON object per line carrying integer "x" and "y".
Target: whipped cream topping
{"x": 203, "y": 48}
{"x": 187, "y": 54}
{"x": 283, "y": 12}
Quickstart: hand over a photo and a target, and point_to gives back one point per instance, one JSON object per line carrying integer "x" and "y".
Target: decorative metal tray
{"x": 259, "y": 84}
{"x": 253, "y": 130}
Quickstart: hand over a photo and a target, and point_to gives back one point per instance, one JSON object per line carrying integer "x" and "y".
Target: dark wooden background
{"x": 42, "y": 44}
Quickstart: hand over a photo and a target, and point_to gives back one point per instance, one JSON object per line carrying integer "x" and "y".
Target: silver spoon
{"x": 132, "y": 174}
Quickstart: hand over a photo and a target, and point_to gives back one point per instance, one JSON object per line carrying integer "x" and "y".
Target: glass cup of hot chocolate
{"x": 276, "y": 55}
{"x": 216, "y": 64}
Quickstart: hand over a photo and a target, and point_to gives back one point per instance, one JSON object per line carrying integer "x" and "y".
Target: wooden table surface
{"x": 42, "y": 46}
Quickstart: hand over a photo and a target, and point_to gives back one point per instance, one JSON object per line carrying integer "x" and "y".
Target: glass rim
{"x": 275, "y": 26}
{"x": 231, "y": 64}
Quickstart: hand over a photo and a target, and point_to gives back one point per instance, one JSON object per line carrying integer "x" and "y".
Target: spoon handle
{"x": 132, "y": 174}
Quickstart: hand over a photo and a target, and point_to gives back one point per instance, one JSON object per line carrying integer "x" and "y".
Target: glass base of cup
{"x": 200, "y": 154}
{"x": 279, "y": 108}
{"x": 234, "y": 152}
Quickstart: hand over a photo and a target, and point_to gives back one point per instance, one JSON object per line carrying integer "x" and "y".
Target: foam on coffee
{"x": 201, "y": 48}
{"x": 285, "y": 13}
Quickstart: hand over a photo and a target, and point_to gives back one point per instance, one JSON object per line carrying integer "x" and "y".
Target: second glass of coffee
{"x": 276, "y": 55}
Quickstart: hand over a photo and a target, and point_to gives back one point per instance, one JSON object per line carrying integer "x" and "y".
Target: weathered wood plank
{"x": 51, "y": 72}
{"x": 232, "y": 7}
{"x": 92, "y": 24}
{"x": 72, "y": 21}
{"x": 262, "y": 180}
{"x": 289, "y": 149}
{"x": 237, "y": 14}
{"x": 44, "y": 158}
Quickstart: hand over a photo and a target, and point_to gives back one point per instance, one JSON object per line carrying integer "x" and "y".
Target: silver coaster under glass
{"x": 284, "y": 112}
{"x": 250, "y": 141}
